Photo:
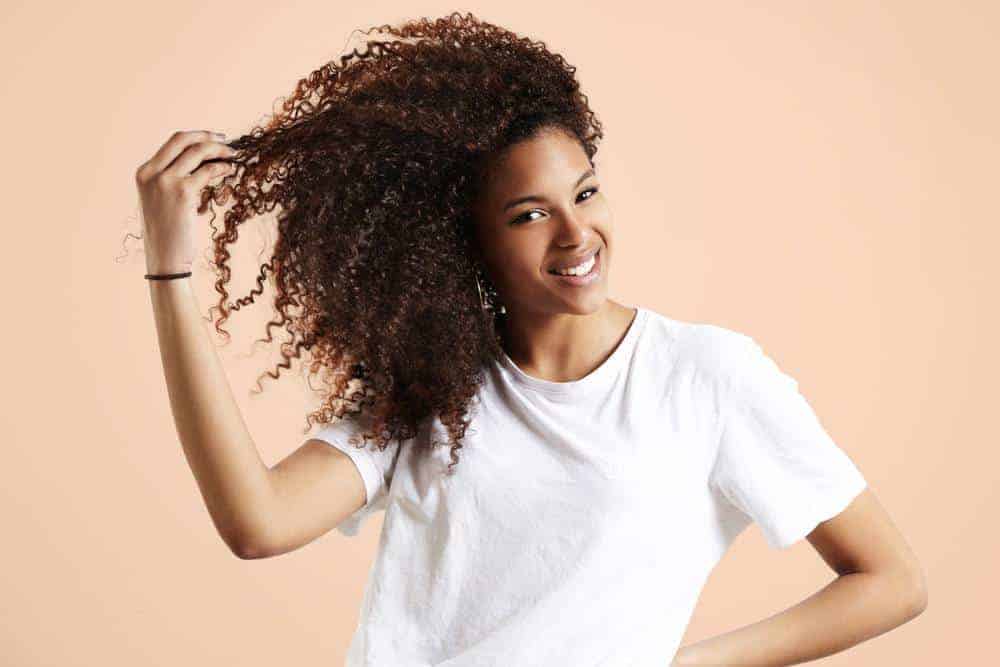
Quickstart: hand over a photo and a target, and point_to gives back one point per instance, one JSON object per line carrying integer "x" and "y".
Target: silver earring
{"x": 483, "y": 298}
{"x": 478, "y": 287}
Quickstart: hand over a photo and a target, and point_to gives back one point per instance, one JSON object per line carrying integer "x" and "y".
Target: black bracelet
{"x": 166, "y": 276}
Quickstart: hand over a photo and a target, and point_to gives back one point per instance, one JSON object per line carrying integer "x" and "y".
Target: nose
{"x": 573, "y": 230}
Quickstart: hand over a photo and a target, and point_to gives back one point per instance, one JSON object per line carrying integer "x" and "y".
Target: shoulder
{"x": 721, "y": 356}
{"x": 728, "y": 358}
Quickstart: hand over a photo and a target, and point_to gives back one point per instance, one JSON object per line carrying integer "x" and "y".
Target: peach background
{"x": 821, "y": 176}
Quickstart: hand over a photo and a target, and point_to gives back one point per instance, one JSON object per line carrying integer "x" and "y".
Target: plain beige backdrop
{"x": 819, "y": 175}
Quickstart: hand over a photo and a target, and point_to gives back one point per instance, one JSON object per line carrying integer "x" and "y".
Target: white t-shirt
{"x": 584, "y": 517}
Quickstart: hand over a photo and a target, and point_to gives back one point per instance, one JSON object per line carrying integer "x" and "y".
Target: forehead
{"x": 547, "y": 161}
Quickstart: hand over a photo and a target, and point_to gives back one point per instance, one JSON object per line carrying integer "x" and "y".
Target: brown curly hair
{"x": 373, "y": 165}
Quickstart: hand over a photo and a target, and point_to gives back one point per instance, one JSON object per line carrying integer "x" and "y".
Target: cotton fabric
{"x": 584, "y": 517}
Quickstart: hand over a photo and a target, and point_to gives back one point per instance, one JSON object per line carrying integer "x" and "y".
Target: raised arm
{"x": 233, "y": 480}
{"x": 257, "y": 511}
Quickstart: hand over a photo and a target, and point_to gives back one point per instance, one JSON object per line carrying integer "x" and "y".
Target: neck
{"x": 564, "y": 347}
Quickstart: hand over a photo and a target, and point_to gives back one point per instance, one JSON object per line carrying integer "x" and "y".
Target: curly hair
{"x": 374, "y": 164}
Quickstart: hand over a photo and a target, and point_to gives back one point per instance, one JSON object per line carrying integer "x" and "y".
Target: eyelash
{"x": 519, "y": 218}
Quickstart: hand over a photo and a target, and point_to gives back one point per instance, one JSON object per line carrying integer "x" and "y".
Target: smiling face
{"x": 540, "y": 208}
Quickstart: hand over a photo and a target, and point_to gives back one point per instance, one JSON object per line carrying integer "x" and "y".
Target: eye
{"x": 522, "y": 217}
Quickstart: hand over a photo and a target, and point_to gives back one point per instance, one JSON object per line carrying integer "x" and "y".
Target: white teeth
{"x": 579, "y": 269}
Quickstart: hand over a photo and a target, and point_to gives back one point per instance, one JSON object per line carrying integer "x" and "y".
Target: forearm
{"x": 851, "y": 609}
{"x": 231, "y": 476}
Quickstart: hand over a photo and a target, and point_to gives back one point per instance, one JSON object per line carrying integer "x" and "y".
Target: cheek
{"x": 518, "y": 272}
{"x": 601, "y": 218}
{"x": 515, "y": 272}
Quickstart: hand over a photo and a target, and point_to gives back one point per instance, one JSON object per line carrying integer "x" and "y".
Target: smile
{"x": 592, "y": 268}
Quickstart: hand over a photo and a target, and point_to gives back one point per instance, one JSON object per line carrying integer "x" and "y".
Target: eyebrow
{"x": 520, "y": 200}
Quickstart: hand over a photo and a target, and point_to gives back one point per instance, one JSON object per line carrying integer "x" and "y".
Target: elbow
{"x": 914, "y": 593}
{"x": 918, "y": 602}
{"x": 246, "y": 546}
{"x": 903, "y": 591}
{"x": 246, "y": 538}
{"x": 248, "y": 550}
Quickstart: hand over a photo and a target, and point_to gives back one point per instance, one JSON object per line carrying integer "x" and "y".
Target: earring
{"x": 481, "y": 301}
{"x": 491, "y": 298}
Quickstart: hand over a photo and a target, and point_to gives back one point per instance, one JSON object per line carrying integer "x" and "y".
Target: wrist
{"x": 166, "y": 270}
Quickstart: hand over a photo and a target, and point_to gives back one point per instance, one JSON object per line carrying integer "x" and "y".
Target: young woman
{"x": 560, "y": 472}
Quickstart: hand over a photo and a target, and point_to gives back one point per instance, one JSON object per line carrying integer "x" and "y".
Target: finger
{"x": 208, "y": 171}
{"x": 175, "y": 145}
{"x": 196, "y": 153}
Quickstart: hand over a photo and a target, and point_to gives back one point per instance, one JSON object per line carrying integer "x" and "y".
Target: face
{"x": 542, "y": 208}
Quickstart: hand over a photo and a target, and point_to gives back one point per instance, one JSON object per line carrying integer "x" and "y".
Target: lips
{"x": 580, "y": 259}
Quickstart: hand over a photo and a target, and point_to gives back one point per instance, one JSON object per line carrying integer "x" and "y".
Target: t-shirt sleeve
{"x": 376, "y": 467}
{"x": 775, "y": 461}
